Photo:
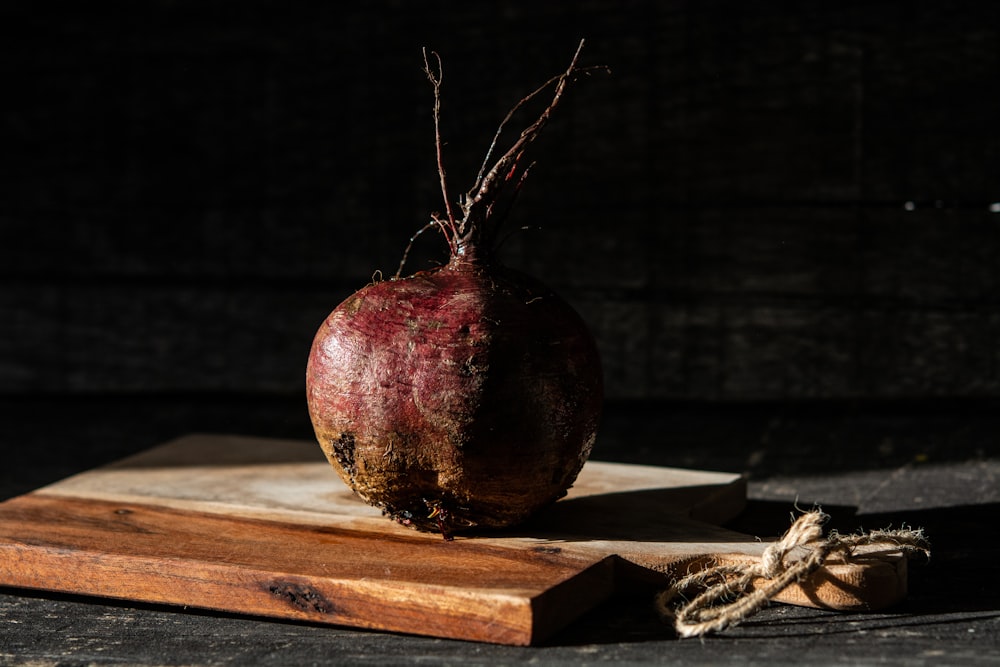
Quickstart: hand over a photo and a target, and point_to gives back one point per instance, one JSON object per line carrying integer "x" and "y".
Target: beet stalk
{"x": 468, "y": 395}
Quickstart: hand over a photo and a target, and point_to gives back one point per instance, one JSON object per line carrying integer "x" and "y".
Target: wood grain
{"x": 263, "y": 527}
{"x": 270, "y": 568}
{"x": 97, "y": 339}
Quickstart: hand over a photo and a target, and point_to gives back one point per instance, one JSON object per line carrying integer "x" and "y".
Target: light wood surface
{"x": 264, "y": 527}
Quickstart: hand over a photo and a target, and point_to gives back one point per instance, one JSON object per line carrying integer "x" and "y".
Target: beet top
{"x": 463, "y": 396}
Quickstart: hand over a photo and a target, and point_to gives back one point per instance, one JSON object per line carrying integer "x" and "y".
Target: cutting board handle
{"x": 861, "y": 572}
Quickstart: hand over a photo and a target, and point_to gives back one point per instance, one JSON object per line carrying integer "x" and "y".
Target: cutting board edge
{"x": 509, "y": 615}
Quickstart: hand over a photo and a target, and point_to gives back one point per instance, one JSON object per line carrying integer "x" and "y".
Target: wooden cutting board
{"x": 265, "y": 527}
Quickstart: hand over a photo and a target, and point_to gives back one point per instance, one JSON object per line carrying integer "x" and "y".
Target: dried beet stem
{"x": 478, "y": 228}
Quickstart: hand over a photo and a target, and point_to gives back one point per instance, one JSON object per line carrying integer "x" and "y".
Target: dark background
{"x": 789, "y": 205}
{"x": 781, "y": 221}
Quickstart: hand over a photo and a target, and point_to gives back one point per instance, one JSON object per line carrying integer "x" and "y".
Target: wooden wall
{"x": 762, "y": 201}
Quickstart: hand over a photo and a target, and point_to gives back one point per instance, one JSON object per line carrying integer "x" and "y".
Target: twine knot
{"x": 731, "y": 593}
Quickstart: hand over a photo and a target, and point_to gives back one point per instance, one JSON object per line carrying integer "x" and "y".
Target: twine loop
{"x": 728, "y": 594}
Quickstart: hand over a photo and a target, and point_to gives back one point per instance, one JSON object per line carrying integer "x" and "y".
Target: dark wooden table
{"x": 929, "y": 465}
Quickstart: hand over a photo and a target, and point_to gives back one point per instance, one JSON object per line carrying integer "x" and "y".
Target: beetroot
{"x": 464, "y": 396}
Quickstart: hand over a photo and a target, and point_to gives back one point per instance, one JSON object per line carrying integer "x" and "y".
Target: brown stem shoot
{"x": 435, "y": 80}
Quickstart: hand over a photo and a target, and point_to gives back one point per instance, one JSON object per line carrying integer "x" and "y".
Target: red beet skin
{"x": 460, "y": 397}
